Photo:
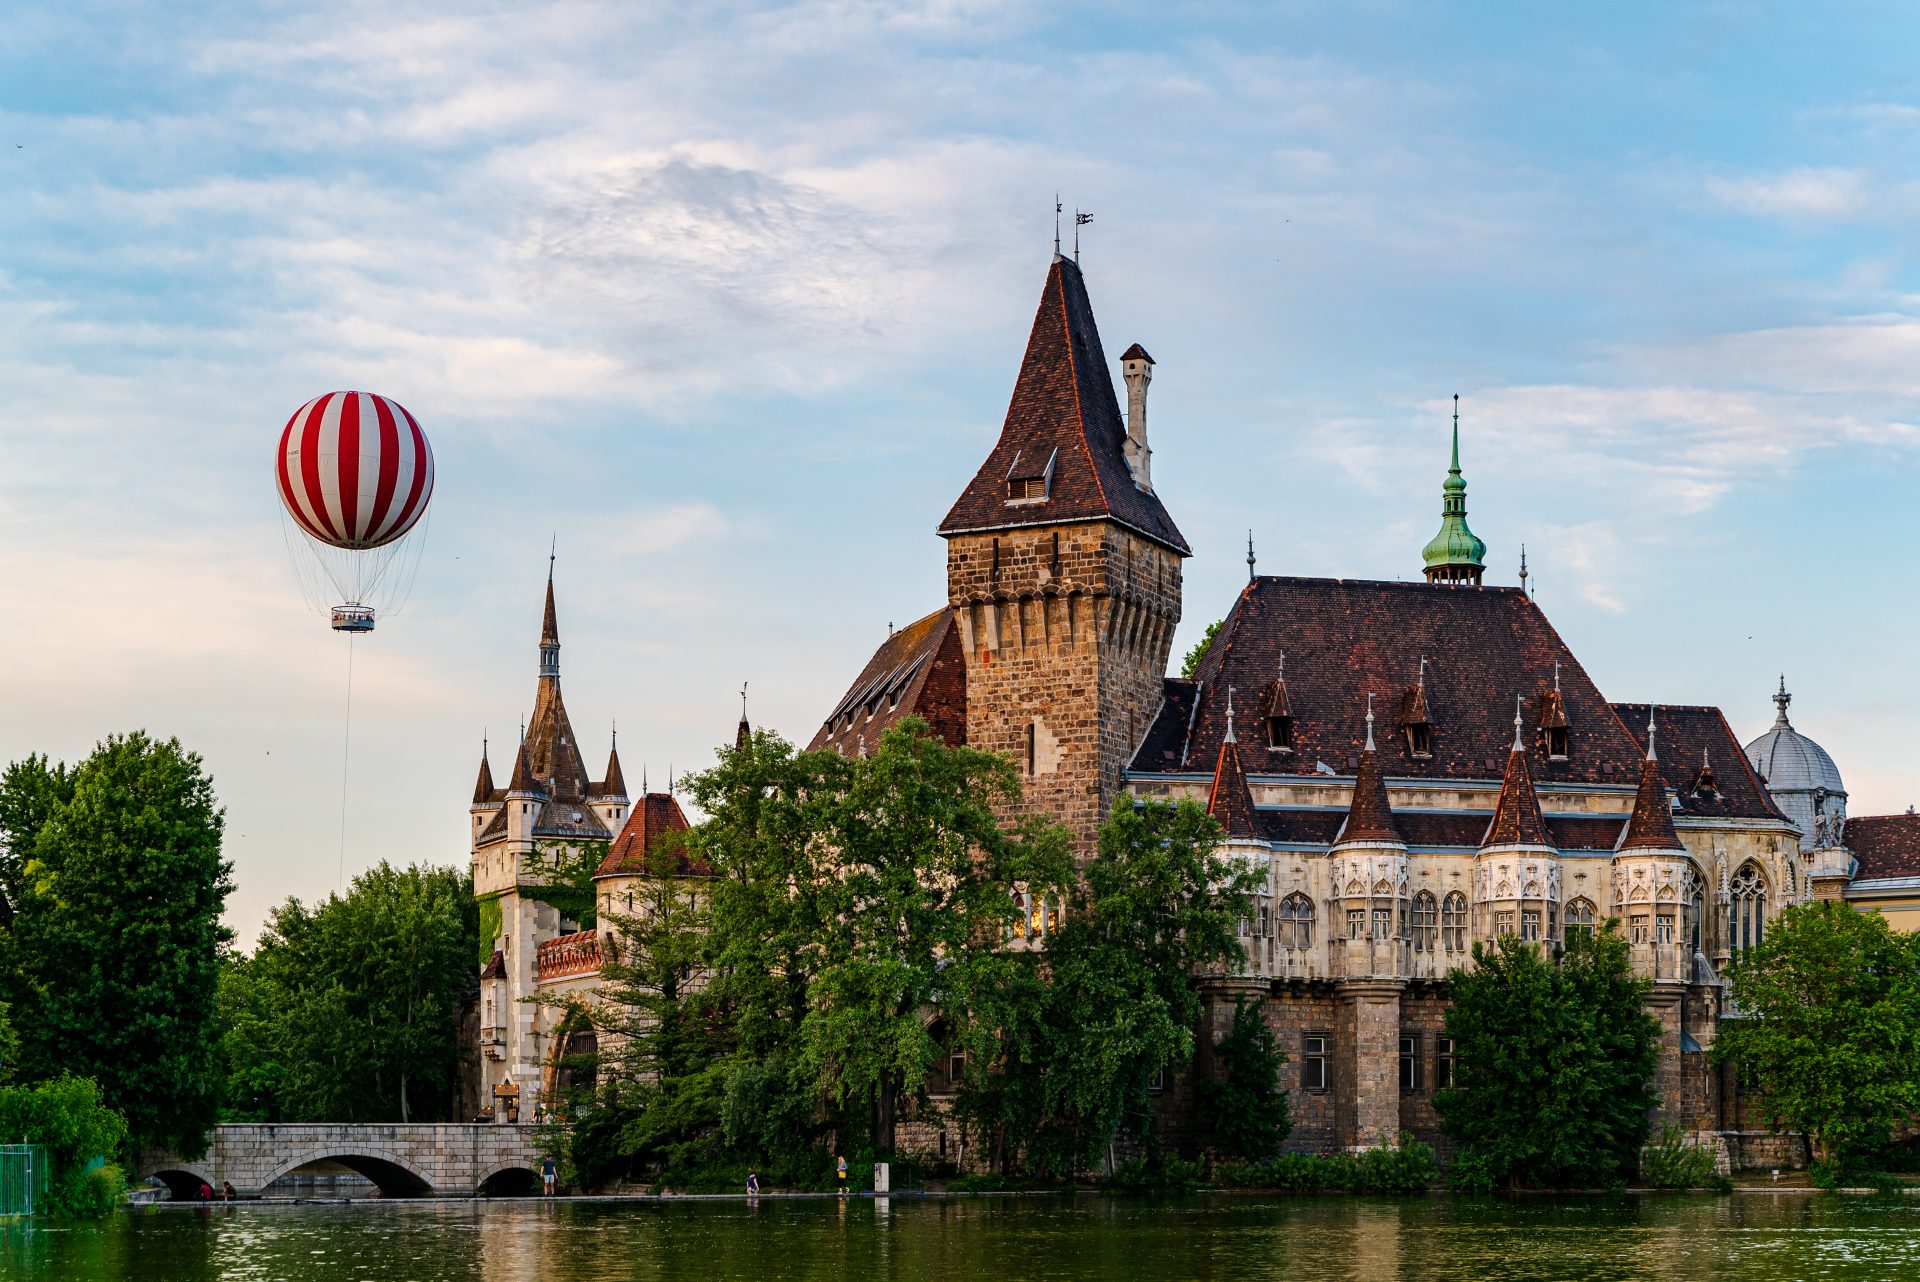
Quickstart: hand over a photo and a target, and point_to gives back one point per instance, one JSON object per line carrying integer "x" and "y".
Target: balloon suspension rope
{"x": 346, "y": 751}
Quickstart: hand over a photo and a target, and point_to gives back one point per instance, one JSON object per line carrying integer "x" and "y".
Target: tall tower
{"x": 1455, "y": 554}
{"x": 1063, "y": 571}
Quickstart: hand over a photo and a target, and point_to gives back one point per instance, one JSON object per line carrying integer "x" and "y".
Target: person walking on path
{"x": 841, "y": 1171}
{"x": 547, "y": 1177}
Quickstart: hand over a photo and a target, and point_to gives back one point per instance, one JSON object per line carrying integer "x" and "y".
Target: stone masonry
{"x": 423, "y": 1160}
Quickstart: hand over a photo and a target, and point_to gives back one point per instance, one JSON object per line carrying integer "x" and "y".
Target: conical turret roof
{"x": 1370, "y": 815}
{"x": 1230, "y": 801}
{"x": 1650, "y": 827}
{"x": 483, "y": 788}
{"x": 1516, "y": 816}
{"x": 615, "y": 784}
{"x": 523, "y": 777}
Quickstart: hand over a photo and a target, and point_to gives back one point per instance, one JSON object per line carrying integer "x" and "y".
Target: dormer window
{"x": 1420, "y": 739}
{"x": 1415, "y": 722}
{"x": 1557, "y": 743}
{"x": 1552, "y": 718}
{"x": 1030, "y": 480}
{"x": 1280, "y": 734}
{"x": 1277, "y": 716}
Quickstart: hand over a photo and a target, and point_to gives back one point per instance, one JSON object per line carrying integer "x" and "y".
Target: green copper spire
{"x": 1455, "y": 555}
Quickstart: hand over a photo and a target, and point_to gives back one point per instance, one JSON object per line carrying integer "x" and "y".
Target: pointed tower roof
{"x": 552, "y": 751}
{"x": 1063, "y": 428}
{"x": 1455, "y": 554}
{"x": 1231, "y": 800}
{"x": 1516, "y": 816}
{"x": 549, "y": 625}
{"x": 483, "y": 787}
{"x": 742, "y": 733}
{"x": 615, "y": 784}
{"x": 1370, "y": 815}
{"x": 1650, "y": 827}
{"x": 523, "y": 780}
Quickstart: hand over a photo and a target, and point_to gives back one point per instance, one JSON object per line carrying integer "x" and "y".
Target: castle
{"x": 1414, "y": 766}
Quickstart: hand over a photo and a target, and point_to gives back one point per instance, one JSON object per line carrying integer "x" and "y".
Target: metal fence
{"x": 23, "y": 1178}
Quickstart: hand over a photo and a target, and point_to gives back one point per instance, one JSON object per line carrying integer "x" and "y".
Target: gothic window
{"x": 1410, "y": 1063}
{"x": 1663, "y": 928}
{"x": 1020, "y": 914}
{"x": 1296, "y": 922}
{"x": 1426, "y": 915}
{"x": 1453, "y": 923}
{"x": 1313, "y": 1063}
{"x": 1691, "y": 908}
{"x": 1749, "y": 891}
{"x": 1637, "y": 928}
{"x": 1530, "y": 924}
{"x": 1503, "y": 923}
{"x": 1356, "y": 923}
{"x": 1442, "y": 1062}
{"x": 1383, "y": 923}
{"x": 1580, "y": 919}
{"x": 1263, "y": 924}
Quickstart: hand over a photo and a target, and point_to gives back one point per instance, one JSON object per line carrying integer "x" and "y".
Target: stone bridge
{"x": 425, "y": 1160}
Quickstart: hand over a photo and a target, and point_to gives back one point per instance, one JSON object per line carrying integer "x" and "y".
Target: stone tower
{"x": 1063, "y": 572}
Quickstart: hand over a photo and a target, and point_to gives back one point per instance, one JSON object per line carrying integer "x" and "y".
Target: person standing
{"x": 548, "y": 1176}
{"x": 840, "y": 1170}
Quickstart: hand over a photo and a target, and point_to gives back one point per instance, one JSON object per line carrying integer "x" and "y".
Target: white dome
{"x": 1798, "y": 773}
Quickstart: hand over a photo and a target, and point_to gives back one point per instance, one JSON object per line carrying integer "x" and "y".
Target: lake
{"x": 1743, "y": 1238}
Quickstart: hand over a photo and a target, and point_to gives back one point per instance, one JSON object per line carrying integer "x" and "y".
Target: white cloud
{"x": 1799, "y": 193}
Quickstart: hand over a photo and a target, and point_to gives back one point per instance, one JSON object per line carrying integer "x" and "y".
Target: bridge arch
{"x": 391, "y": 1174}
{"x": 510, "y": 1180}
{"x": 183, "y": 1183}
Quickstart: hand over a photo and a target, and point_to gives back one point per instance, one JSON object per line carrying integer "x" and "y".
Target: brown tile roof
{"x": 1063, "y": 419}
{"x": 573, "y": 819}
{"x": 1344, "y": 639}
{"x": 1369, "y": 815}
{"x": 523, "y": 779}
{"x": 616, "y": 781}
{"x": 1885, "y": 845}
{"x": 652, "y": 843}
{"x": 1690, "y": 735}
{"x": 496, "y": 967}
{"x": 1650, "y": 826}
{"x": 483, "y": 787}
{"x": 1431, "y": 828}
{"x": 1230, "y": 800}
{"x": 1516, "y": 816}
{"x": 918, "y": 671}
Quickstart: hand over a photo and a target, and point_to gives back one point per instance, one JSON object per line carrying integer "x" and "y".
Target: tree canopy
{"x": 113, "y": 872}
{"x": 1555, "y": 1057}
{"x": 1828, "y": 1026}
{"x": 348, "y": 1011}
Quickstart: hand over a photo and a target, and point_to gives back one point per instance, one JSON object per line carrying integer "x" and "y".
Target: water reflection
{"x": 1745, "y": 1238}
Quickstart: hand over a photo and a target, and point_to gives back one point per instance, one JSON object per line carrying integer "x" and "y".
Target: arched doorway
{"x": 510, "y": 1181}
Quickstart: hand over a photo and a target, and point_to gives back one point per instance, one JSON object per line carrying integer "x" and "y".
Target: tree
{"x": 1555, "y": 1062}
{"x": 117, "y": 886}
{"x": 69, "y": 1117}
{"x": 1191, "y": 664}
{"x": 1243, "y": 1112}
{"x": 1830, "y": 1026}
{"x": 915, "y": 873}
{"x": 1120, "y": 995}
{"x": 348, "y": 1012}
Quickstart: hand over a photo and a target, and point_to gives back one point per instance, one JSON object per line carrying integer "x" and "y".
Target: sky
{"x": 723, "y": 304}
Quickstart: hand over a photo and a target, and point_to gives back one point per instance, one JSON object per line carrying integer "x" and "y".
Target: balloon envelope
{"x": 354, "y": 469}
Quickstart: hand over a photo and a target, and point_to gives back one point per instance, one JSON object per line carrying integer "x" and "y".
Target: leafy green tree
{"x": 1556, "y": 1056}
{"x": 1830, "y": 999}
{"x": 915, "y": 872}
{"x": 1191, "y": 664}
{"x": 1243, "y": 1112}
{"x": 71, "y": 1119}
{"x": 1154, "y": 907}
{"x": 117, "y": 885}
{"x": 348, "y": 1012}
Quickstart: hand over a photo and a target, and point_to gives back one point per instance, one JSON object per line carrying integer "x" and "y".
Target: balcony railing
{"x": 576, "y": 954}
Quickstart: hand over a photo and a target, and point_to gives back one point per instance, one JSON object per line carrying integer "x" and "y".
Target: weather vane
{"x": 1079, "y": 220}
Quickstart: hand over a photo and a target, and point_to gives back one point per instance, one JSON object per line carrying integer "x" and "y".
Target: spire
{"x": 523, "y": 780}
{"x": 1455, "y": 554}
{"x": 1780, "y": 701}
{"x": 1230, "y": 738}
{"x": 1650, "y": 827}
{"x": 1516, "y": 816}
{"x": 549, "y": 633}
{"x": 742, "y": 733}
{"x": 1062, "y": 454}
{"x": 1369, "y": 815}
{"x": 483, "y": 787}
{"x": 615, "y": 784}
{"x": 1250, "y": 573}
{"x": 1231, "y": 800}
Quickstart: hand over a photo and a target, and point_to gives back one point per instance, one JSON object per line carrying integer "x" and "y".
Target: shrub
{"x": 68, "y": 1117}
{"x": 1408, "y": 1167}
{"x": 1471, "y": 1172}
{"x": 1669, "y": 1161}
{"x": 979, "y": 1184}
{"x": 1152, "y": 1173}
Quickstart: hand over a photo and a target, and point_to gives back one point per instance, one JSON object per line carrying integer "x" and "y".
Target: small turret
{"x": 1230, "y": 800}
{"x": 1137, "y": 368}
{"x": 1650, "y": 827}
{"x": 1369, "y": 815}
{"x": 483, "y": 787}
{"x": 1455, "y": 554}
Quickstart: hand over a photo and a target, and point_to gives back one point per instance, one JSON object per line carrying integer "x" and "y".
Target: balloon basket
{"x": 352, "y": 618}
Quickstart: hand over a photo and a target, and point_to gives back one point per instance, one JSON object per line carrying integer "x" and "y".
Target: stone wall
{"x": 433, "y": 1160}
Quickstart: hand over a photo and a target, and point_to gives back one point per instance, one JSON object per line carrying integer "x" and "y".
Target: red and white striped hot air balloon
{"x": 355, "y": 473}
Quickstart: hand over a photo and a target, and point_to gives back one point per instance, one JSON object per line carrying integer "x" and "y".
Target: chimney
{"x": 1137, "y": 368}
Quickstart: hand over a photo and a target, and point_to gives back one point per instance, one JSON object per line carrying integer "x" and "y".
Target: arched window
{"x": 1453, "y": 923}
{"x": 1749, "y": 891}
{"x": 1020, "y": 909}
{"x": 1296, "y": 922}
{"x": 1580, "y": 919}
{"x": 1426, "y": 923}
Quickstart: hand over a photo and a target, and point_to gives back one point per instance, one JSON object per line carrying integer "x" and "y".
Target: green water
{"x": 1747, "y": 1237}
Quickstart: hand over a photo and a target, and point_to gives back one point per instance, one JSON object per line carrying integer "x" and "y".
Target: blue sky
{"x": 730, "y": 298}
